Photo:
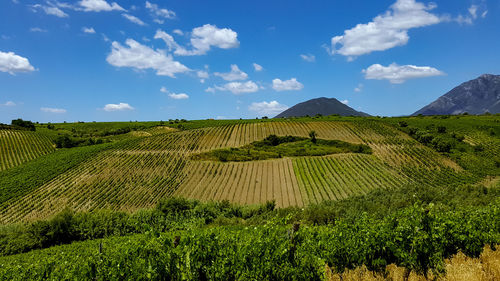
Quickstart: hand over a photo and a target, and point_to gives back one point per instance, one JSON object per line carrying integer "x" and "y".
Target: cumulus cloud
{"x": 385, "y": 31}
{"x": 37, "y": 29}
{"x": 344, "y": 101}
{"x": 12, "y": 63}
{"x": 308, "y": 57}
{"x": 134, "y": 19}
{"x": 210, "y": 90}
{"x": 53, "y": 110}
{"x": 51, "y": 10}
{"x": 178, "y": 32}
{"x": 139, "y": 56}
{"x": 234, "y": 74}
{"x": 359, "y": 88}
{"x": 180, "y": 96}
{"x": 267, "y": 108}
{"x": 397, "y": 74}
{"x": 89, "y": 30}
{"x": 202, "y": 74}
{"x": 257, "y": 67}
{"x": 203, "y": 38}
{"x": 99, "y": 6}
{"x": 287, "y": 85}
{"x": 237, "y": 87}
{"x": 158, "y": 13}
{"x": 117, "y": 107}
{"x": 163, "y": 90}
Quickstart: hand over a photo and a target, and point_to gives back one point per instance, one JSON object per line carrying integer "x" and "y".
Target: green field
{"x": 116, "y": 174}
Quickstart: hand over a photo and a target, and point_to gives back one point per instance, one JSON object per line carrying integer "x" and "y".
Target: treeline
{"x": 19, "y": 124}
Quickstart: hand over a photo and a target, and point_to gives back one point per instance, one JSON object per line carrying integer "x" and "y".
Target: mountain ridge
{"x": 476, "y": 96}
{"x": 324, "y": 106}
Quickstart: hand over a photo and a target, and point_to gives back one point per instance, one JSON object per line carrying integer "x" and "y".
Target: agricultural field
{"x": 136, "y": 169}
{"x": 157, "y": 191}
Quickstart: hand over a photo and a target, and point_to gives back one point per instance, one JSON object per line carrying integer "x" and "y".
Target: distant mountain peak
{"x": 323, "y": 105}
{"x": 476, "y": 96}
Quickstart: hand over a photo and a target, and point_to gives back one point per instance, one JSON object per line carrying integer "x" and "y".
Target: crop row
{"x": 17, "y": 147}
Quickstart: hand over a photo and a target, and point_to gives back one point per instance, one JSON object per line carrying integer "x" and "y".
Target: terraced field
{"x": 17, "y": 147}
{"x": 154, "y": 164}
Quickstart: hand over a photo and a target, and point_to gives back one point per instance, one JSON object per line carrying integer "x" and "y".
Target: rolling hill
{"x": 474, "y": 97}
{"x": 323, "y": 106}
{"x": 137, "y": 169}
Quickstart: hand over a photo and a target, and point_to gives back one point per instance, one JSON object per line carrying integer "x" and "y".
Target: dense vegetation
{"x": 277, "y": 147}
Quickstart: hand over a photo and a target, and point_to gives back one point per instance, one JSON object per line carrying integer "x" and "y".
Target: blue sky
{"x": 122, "y": 60}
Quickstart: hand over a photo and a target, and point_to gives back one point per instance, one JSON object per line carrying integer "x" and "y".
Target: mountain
{"x": 323, "y": 106}
{"x": 475, "y": 97}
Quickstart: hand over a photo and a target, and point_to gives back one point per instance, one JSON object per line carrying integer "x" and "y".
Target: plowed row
{"x": 17, "y": 147}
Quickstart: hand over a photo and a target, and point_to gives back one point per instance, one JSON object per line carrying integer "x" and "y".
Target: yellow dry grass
{"x": 458, "y": 268}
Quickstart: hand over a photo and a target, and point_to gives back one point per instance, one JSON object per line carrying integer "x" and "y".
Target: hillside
{"x": 474, "y": 97}
{"x": 323, "y": 106}
{"x": 137, "y": 169}
{"x": 146, "y": 205}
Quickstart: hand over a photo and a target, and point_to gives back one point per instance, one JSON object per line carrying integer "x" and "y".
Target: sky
{"x": 102, "y": 60}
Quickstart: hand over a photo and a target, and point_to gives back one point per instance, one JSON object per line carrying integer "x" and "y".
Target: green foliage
{"x": 276, "y": 147}
{"x": 20, "y": 123}
{"x": 419, "y": 238}
{"x": 20, "y": 180}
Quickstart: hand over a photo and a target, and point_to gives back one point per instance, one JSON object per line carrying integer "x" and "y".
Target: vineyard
{"x": 17, "y": 147}
{"x": 145, "y": 166}
{"x": 422, "y": 190}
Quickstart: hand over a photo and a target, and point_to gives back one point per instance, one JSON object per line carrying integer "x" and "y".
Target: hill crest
{"x": 324, "y": 106}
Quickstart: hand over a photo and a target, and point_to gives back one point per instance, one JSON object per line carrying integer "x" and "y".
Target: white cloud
{"x": 359, "y": 88}
{"x": 473, "y": 11}
{"x": 134, "y": 19}
{"x": 397, "y": 74}
{"x": 37, "y": 29}
{"x": 12, "y": 63}
{"x": 287, "y": 85}
{"x": 117, "y": 107}
{"x": 385, "y": 31}
{"x": 159, "y": 13}
{"x": 472, "y": 15}
{"x": 203, "y": 38}
{"x": 202, "y": 74}
{"x": 163, "y": 90}
{"x": 234, "y": 74}
{"x": 180, "y": 96}
{"x": 238, "y": 87}
{"x": 9, "y": 103}
{"x": 308, "y": 57}
{"x": 178, "y": 32}
{"x": 142, "y": 57}
{"x": 257, "y": 67}
{"x": 99, "y": 6}
{"x": 210, "y": 90}
{"x": 89, "y": 30}
{"x": 267, "y": 108}
{"x": 344, "y": 101}
{"x": 53, "y": 110}
{"x": 50, "y": 10}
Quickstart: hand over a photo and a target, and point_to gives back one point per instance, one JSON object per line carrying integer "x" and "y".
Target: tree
{"x": 23, "y": 124}
{"x": 312, "y": 135}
